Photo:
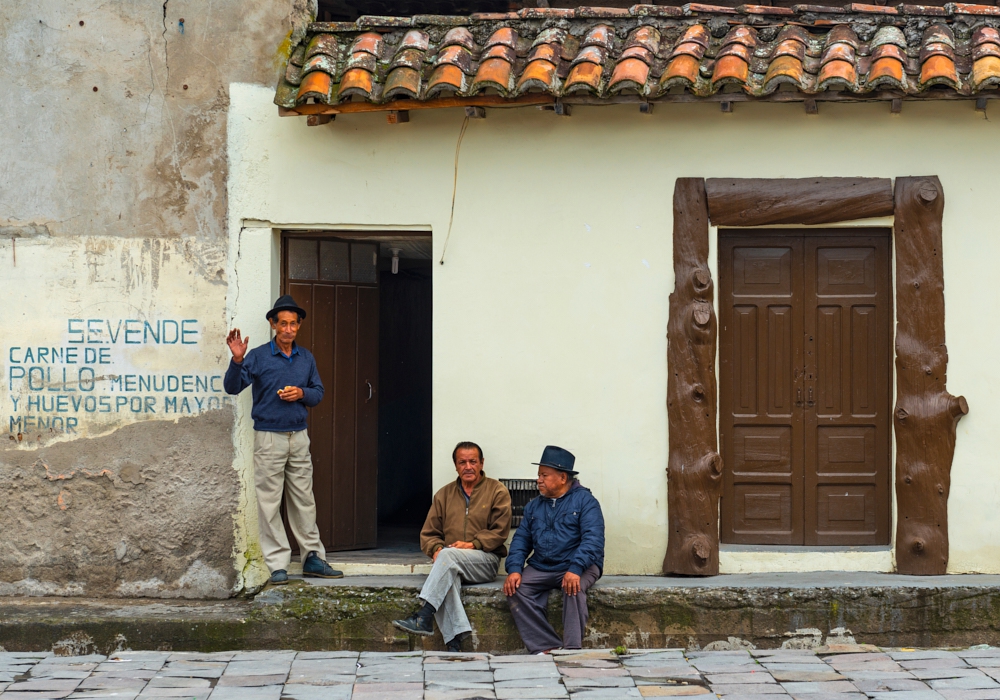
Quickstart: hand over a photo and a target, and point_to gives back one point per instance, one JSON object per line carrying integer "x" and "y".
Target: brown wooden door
{"x": 336, "y": 283}
{"x": 805, "y": 329}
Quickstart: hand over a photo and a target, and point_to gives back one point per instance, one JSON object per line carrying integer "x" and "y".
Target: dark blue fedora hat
{"x": 285, "y": 303}
{"x": 557, "y": 458}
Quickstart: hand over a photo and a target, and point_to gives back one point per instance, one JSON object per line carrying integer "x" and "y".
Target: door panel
{"x": 804, "y": 372}
{"x": 847, "y": 430}
{"x": 322, "y": 320}
{"x": 341, "y": 330}
{"x": 366, "y": 476}
{"x": 344, "y": 392}
{"x": 760, "y": 356}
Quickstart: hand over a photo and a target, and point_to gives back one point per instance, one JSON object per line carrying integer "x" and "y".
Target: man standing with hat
{"x": 564, "y": 527}
{"x": 285, "y": 385}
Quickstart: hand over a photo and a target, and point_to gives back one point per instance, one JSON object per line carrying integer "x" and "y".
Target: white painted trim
{"x": 319, "y": 228}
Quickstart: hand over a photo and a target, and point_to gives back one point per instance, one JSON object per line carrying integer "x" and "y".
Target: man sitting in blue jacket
{"x": 565, "y": 528}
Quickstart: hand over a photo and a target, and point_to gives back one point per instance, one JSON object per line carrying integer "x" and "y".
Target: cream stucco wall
{"x": 550, "y": 310}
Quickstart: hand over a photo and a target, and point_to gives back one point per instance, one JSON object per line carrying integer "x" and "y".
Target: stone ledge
{"x": 766, "y": 611}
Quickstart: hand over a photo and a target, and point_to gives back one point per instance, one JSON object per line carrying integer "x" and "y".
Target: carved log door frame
{"x": 925, "y": 415}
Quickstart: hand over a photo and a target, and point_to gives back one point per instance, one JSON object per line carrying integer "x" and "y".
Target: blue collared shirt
{"x": 269, "y": 370}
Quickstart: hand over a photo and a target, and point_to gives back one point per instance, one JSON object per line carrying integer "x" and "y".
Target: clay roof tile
{"x": 682, "y": 70}
{"x": 889, "y": 34}
{"x": 986, "y": 73}
{"x": 494, "y": 73}
{"x": 539, "y": 75}
{"x": 590, "y": 54}
{"x": 696, "y": 33}
{"x": 843, "y": 34}
{"x": 411, "y": 58}
{"x": 446, "y": 77}
{"x": 747, "y": 36}
{"x": 837, "y": 73}
{"x": 585, "y": 77}
{"x": 984, "y": 35}
{"x": 355, "y": 82}
{"x": 369, "y": 42}
{"x": 457, "y": 56}
{"x": 361, "y": 60}
{"x": 316, "y": 86}
{"x": 402, "y": 82}
{"x": 327, "y": 64}
{"x": 784, "y": 69}
{"x": 603, "y": 53}
{"x": 415, "y": 39}
{"x": 504, "y": 36}
{"x": 321, "y": 44}
{"x": 688, "y": 49}
{"x": 459, "y": 36}
{"x": 602, "y": 35}
{"x": 629, "y": 74}
{"x": 552, "y": 35}
{"x": 500, "y": 51}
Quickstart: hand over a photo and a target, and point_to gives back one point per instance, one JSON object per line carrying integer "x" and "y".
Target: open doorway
{"x": 367, "y": 299}
{"x": 404, "y": 441}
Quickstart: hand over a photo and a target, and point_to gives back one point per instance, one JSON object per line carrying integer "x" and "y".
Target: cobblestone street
{"x": 583, "y": 675}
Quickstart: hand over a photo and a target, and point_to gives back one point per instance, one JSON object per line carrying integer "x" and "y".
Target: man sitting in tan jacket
{"x": 464, "y": 533}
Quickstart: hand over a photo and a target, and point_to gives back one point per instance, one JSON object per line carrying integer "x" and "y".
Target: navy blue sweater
{"x": 566, "y": 534}
{"x": 269, "y": 371}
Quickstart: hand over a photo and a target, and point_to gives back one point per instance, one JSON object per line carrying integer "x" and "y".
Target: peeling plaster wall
{"x": 116, "y": 449}
{"x": 550, "y": 311}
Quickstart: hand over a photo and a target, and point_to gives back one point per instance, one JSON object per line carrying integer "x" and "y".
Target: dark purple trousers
{"x": 529, "y": 602}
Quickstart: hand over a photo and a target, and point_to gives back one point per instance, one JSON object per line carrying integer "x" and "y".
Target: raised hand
{"x": 237, "y": 345}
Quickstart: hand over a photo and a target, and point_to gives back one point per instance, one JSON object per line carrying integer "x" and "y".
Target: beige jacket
{"x": 484, "y": 521}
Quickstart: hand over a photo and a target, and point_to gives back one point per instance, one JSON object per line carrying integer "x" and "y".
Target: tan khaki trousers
{"x": 281, "y": 461}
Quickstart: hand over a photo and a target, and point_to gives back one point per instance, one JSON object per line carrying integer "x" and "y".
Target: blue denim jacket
{"x": 566, "y": 534}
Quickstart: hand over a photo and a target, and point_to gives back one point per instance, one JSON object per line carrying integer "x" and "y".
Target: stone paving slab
{"x": 747, "y": 688}
{"x": 587, "y": 675}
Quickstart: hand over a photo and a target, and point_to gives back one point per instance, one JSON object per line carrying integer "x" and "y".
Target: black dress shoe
{"x": 415, "y": 624}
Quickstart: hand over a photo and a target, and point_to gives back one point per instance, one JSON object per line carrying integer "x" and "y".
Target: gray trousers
{"x": 281, "y": 463}
{"x": 528, "y": 607}
{"x": 443, "y": 587}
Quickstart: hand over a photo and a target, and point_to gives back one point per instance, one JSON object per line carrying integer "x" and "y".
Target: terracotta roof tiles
{"x": 648, "y": 51}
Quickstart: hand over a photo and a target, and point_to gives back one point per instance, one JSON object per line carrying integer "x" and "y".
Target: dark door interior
{"x": 805, "y": 333}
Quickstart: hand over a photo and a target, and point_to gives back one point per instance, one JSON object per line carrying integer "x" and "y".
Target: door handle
{"x": 798, "y": 401}
{"x": 810, "y": 402}
{"x": 370, "y": 393}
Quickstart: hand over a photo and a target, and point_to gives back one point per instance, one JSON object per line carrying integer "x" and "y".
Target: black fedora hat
{"x": 285, "y": 303}
{"x": 557, "y": 458}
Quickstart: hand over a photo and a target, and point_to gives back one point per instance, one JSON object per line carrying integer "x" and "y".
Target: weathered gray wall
{"x": 113, "y": 206}
{"x": 144, "y": 511}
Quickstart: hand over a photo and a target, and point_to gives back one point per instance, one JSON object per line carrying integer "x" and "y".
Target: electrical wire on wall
{"x": 454, "y": 188}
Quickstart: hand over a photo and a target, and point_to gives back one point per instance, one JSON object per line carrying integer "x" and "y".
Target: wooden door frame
{"x": 925, "y": 415}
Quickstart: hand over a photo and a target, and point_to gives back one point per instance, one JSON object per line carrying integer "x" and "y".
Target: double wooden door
{"x": 805, "y": 333}
{"x": 336, "y": 283}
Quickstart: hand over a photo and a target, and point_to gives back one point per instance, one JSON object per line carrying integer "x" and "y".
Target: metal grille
{"x": 521, "y": 491}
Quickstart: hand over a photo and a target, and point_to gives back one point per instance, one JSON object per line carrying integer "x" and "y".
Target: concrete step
{"x": 724, "y": 612}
